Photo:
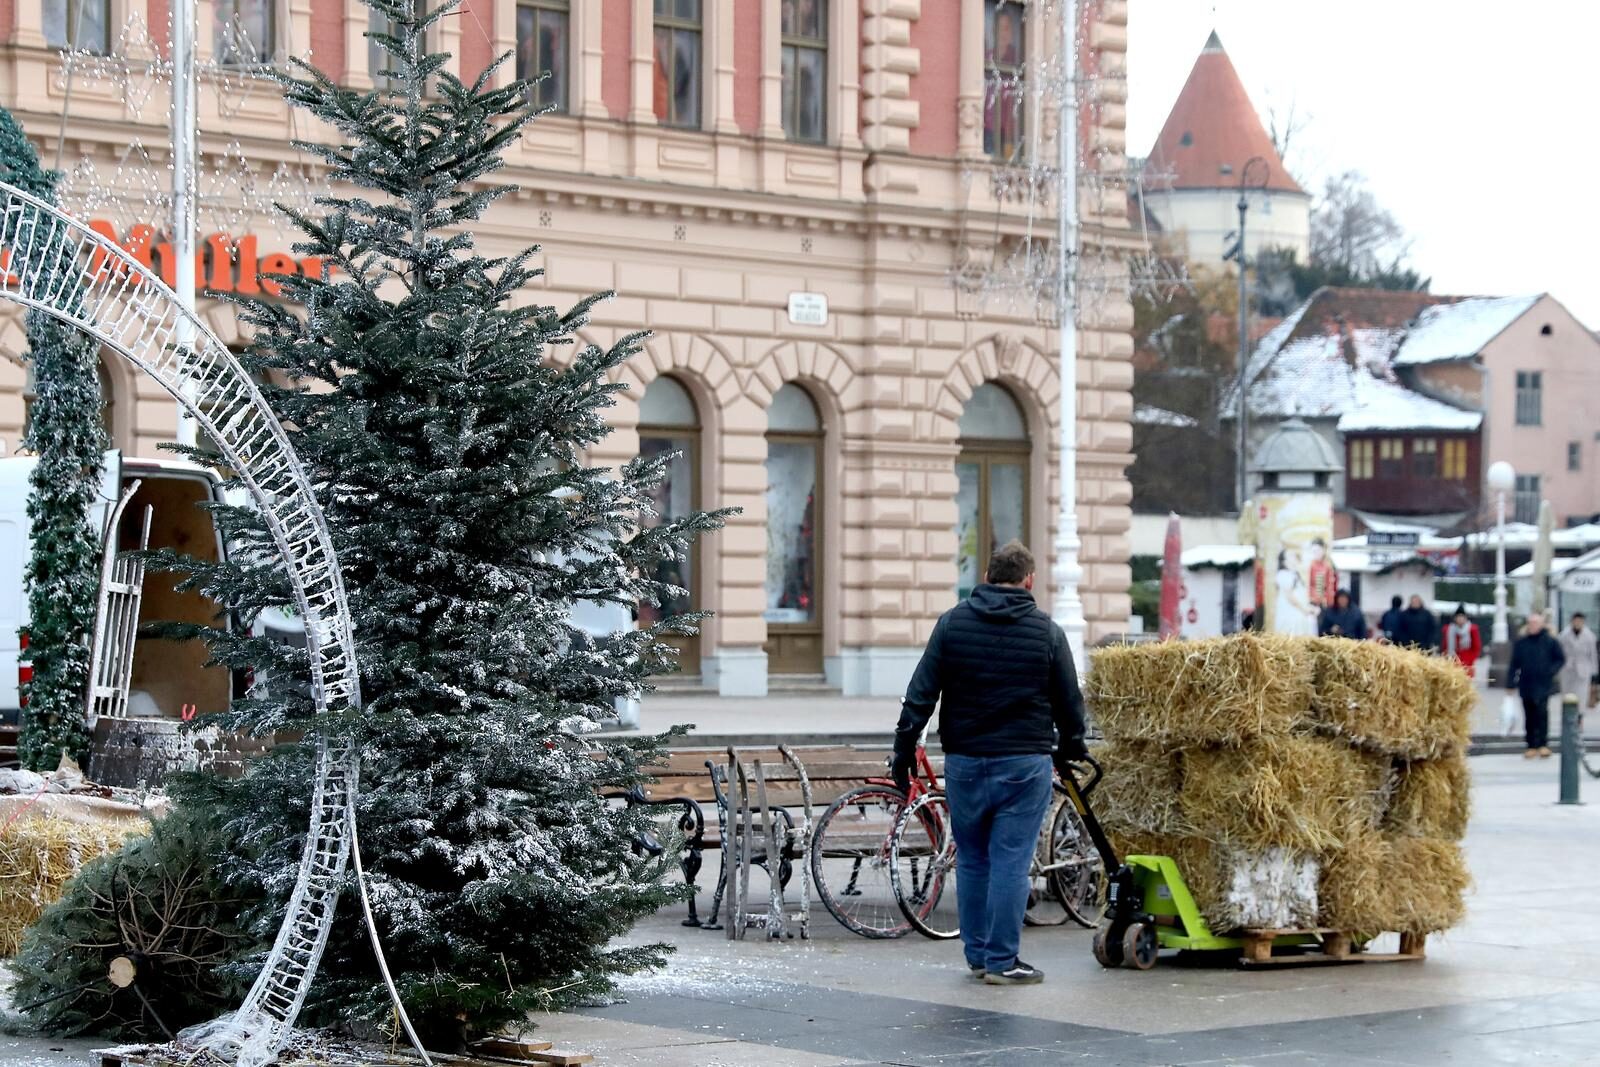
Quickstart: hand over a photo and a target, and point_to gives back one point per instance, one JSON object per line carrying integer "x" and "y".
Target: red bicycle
{"x": 1067, "y": 879}
{"x": 852, "y": 847}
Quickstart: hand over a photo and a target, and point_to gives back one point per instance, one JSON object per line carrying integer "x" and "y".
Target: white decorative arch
{"x": 61, "y": 267}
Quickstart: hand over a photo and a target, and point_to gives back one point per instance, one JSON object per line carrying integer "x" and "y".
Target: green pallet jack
{"x": 1150, "y": 908}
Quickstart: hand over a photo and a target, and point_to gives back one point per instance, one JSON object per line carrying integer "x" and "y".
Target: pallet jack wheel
{"x": 1140, "y": 947}
{"x": 1107, "y": 948}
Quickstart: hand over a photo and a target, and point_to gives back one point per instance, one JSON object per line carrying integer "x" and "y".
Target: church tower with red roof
{"x": 1192, "y": 175}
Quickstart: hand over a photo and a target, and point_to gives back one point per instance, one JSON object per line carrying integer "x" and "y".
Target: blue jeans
{"x": 997, "y": 805}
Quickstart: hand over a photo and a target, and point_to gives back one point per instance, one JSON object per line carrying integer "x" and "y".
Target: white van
{"x": 168, "y": 674}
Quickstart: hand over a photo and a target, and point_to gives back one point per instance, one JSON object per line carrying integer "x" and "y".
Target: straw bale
{"x": 1452, "y": 700}
{"x": 1374, "y": 695}
{"x": 38, "y": 856}
{"x": 1431, "y": 798}
{"x": 1306, "y": 793}
{"x": 1237, "y": 888}
{"x": 1140, "y": 788}
{"x": 1224, "y": 690}
{"x": 1378, "y": 883}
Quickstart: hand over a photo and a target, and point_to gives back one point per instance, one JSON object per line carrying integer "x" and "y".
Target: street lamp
{"x": 1502, "y": 479}
{"x": 1255, "y": 174}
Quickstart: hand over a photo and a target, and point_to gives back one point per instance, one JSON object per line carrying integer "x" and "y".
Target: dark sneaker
{"x": 977, "y": 971}
{"x": 1018, "y": 973}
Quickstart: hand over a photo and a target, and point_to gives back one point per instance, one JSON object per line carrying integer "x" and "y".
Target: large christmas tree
{"x": 446, "y": 424}
{"x": 63, "y": 570}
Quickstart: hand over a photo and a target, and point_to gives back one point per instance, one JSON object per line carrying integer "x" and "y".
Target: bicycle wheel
{"x": 1045, "y": 907}
{"x": 850, "y": 861}
{"x": 1076, "y": 871}
{"x": 922, "y": 867}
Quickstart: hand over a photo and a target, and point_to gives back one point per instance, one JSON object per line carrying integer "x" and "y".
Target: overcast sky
{"x": 1474, "y": 121}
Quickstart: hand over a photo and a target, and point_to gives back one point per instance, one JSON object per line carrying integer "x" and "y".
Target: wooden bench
{"x": 693, "y": 779}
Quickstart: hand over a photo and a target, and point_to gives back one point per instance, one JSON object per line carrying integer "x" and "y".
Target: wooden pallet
{"x": 1331, "y": 946}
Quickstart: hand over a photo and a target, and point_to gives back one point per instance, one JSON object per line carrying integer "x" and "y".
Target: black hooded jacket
{"x": 1002, "y": 674}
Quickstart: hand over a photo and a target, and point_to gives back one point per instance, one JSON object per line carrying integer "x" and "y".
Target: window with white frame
{"x": 544, "y": 36}
{"x": 1526, "y": 501}
{"x": 678, "y": 43}
{"x": 1005, "y": 94}
{"x": 1530, "y": 397}
{"x": 244, "y": 32}
{"x": 84, "y": 25}
{"x": 805, "y": 69}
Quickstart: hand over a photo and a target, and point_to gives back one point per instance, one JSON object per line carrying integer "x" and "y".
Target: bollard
{"x": 1571, "y": 750}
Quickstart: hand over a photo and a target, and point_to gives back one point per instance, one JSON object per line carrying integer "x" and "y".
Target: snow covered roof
{"x": 1461, "y": 329}
{"x": 1150, "y": 415}
{"x": 1384, "y": 404}
{"x": 1217, "y": 556}
{"x": 1426, "y": 542}
{"x": 1526, "y": 534}
{"x": 1334, "y": 358}
{"x": 1379, "y": 524}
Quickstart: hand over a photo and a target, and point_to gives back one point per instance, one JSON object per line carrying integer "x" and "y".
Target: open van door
{"x": 16, "y": 546}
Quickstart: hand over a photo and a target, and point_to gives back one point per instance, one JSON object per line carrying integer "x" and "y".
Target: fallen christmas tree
{"x": 1297, "y": 782}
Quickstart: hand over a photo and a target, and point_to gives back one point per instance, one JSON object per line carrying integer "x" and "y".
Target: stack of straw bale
{"x": 1298, "y": 782}
{"x": 40, "y": 852}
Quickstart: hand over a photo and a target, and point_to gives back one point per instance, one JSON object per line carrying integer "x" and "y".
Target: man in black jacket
{"x": 1418, "y": 627}
{"x": 1389, "y": 624}
{"x": 1342, "y": 619}
{"x": 1002, "y": 675}
{"x": 1536, "y": 659}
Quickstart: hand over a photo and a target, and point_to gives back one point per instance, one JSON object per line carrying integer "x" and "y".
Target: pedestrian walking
{"x": 1389, "y": 624}
{"x": 1536, "y": 660}
{"x": 1583, "y": 660}
{"x": 1417, "y": 627}
{"x": 1342, "y": 619}
{"x": 1002, "y": 676}
{"x": 1462, "y": 640}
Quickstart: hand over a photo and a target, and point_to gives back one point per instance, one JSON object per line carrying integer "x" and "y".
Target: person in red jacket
{"x": 1461, "y": 640}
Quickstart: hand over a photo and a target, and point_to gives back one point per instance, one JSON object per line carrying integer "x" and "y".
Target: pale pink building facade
{"x": 1534, "y": 371}
{"x": 877, "y": 446}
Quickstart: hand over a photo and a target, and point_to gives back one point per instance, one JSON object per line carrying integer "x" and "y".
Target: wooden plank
{"x": 1338, "y": 947}
{"x": 510, "y": 1048}
{"x": 562, "y": 1059}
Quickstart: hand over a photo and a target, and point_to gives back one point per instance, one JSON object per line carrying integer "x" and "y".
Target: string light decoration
{"x": 235, "y": 194}
{"x": 1008, "y": 259}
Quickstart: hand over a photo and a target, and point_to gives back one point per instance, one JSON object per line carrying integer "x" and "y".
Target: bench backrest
{"x": 832, "y": 769}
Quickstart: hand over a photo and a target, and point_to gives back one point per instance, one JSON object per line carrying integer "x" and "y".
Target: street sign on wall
{"x": 808, "y": 309}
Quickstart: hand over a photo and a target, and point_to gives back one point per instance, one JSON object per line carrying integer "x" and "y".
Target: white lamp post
{"x": 1067, "y": 603}
{"x": 1502, "y": 479}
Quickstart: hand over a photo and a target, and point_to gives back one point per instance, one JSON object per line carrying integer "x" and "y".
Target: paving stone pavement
{"x": 1517, "y": 983}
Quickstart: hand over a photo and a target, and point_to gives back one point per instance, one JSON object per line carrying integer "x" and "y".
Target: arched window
{"x": 669, "y": 423}
{"x": 992, "y": 481}
{"x": 794, "y": 516}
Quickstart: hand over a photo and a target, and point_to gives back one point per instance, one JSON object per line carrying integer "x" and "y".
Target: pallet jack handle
{"x": 1079, "y": 793}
